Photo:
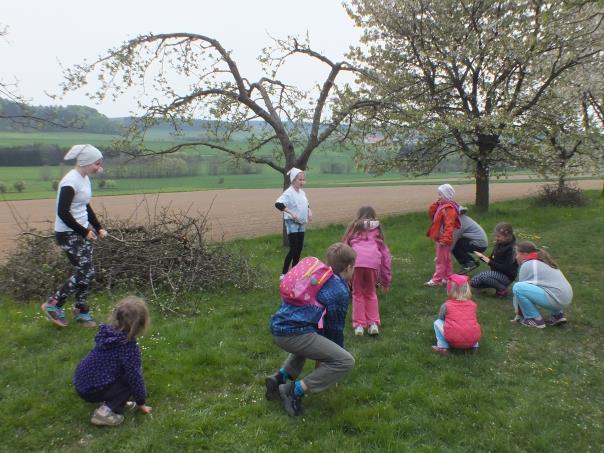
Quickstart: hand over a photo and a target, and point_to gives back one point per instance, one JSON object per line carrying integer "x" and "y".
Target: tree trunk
{"x": 482, "y": 187}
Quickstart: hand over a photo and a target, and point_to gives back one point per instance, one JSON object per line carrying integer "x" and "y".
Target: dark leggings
{"x": 115, "y": 396}
{"x": 490, "y": 279}
{"x": 463, "y": 248}
{"x": 79, "y": 253}
{"x": 296, "y": 242}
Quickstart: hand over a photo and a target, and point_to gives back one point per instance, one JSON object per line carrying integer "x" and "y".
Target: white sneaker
{"x": 281, "y": 277}
{"x": 373, "y": 330}
{"x": 358, "y": 331}
{"x": 103, "y": 416}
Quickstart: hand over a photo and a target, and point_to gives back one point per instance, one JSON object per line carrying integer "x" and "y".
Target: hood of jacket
{"x": 108, "y": 337}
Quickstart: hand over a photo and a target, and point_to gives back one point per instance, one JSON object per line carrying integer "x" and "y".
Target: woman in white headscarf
{"x": 76, "y": 227}
{"x": 296, "y": 213}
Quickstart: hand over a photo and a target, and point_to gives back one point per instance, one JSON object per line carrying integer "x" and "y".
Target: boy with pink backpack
{"x": 309, "y": 292}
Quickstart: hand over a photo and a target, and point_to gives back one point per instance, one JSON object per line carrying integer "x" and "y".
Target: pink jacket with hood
{"x": 372, "y": 253}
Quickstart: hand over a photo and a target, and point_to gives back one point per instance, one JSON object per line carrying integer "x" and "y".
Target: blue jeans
{"x": 439, "y": 331}
{"x": 291, "y": 226}
{"x": 528, "y": 296}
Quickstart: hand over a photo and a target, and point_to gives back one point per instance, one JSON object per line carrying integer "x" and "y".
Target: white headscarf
{"x": 84, "y": 154}
{"x": 447, "y": 191}
{"x": 293, "y": 173}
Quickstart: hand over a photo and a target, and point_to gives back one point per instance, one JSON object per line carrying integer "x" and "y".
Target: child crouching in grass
{"x": 112, "y": 373}
{"x": 295, "y": 330}
{"x": 457, "y": 326}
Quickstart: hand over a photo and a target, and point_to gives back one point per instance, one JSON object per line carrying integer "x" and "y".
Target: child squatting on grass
{"x": 457, "y": 326}
{"x": 294, "y": 329}
{"x": 112, "y": 372}
{"x": 502, "y": 262}
{"x": 372, "y": 267}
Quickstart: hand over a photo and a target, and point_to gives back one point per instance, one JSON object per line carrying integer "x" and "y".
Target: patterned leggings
{"x": 490, "y": 279}
{"x": 79, "y": 253}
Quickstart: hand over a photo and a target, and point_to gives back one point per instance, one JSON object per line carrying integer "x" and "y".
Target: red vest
{"x": 462, "y": 330}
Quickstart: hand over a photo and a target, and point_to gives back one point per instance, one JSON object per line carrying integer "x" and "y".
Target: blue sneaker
{"x": 83, "y": 319}
{"x": 53, "y": 312}
{"x": 533, "y": 322}
{"x": 556, "y": 320}
{"x": 291, "y": 402}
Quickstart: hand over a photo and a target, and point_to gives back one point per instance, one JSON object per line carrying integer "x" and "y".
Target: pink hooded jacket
{"x": 372, "y": 253}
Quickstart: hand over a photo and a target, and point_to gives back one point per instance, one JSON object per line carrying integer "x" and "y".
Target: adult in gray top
{"x": 470, "y": 237}
{"x": 540, "y": 284}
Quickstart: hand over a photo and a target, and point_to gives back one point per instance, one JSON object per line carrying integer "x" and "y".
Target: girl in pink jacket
{"x": 371, "y": 268}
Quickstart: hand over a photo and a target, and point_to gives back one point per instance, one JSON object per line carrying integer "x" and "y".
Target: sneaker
{"x": 130, "y": 405}
{"x": 291, "y": 403}
{"x": 373, "y": 330}
{"x": 556, "y": 320}
{"x": 469, "y": 267}
{"x": 53, "y": 312}
{"x": 502, "y": 293}
{"x": 103, "y": 416}
{"x": 441, "y": 351}
{"x": 431, "y": 283}
{"x": 281, "y": 277}
{"x": 359, "y": 331}
{"x": 272, "y": 383}
{"x": 83, "y": 319}
{"x": 533, "y": 322}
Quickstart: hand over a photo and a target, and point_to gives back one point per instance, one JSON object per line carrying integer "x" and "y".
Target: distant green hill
{"x": 18, "y": 117}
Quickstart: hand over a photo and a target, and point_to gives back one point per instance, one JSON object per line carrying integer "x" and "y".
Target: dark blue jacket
{"x": 112, "y": 358}
{"x": 292, "y": 320}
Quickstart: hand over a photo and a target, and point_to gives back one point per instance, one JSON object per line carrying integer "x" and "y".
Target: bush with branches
{"x": 560, "y": 196}
{"x": 168, "y": 259}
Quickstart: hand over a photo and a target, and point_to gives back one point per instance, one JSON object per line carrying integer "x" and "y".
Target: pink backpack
{"x": 303, "y": 282}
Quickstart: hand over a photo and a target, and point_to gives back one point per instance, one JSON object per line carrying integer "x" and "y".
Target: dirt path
{"x": 247, "y": 213}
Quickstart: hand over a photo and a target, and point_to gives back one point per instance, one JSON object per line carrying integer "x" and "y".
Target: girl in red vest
{"x": 457, "y": 326}
{"x": 445, "y": 220}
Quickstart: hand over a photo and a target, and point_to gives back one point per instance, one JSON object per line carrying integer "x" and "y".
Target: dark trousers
{"x": 296, "y": 242}
{"x": 115, "y": 396}
{"x": 462, "y": 251}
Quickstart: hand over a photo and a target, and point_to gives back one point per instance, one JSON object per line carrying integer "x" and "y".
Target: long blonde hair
{"x": 131, "y": 316}
{"x": 358, "y": 224}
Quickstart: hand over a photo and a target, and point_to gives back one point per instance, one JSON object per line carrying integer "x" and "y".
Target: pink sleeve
{"x": 385, "y": 265}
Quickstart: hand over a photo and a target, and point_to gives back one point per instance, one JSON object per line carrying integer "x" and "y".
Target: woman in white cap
{"x": 296, "y": 213}
{"x": 76, "y": 227}
{"x": 444, "y": 213}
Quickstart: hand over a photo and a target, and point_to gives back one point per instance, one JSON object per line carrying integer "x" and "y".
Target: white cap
{"x": 293, "y": 173}
{"x": 447, "y": 191}
{"x": 84, "y": 154}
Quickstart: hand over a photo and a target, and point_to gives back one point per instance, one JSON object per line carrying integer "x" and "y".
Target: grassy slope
{"x": 526, "y": 389}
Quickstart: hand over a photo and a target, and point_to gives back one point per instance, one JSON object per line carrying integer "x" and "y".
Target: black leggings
{"x": 296, "y": 242}
{"x": 115, "y": 395}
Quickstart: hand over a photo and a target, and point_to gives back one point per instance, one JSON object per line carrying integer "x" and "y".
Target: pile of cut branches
{"x": 168, "y": 259}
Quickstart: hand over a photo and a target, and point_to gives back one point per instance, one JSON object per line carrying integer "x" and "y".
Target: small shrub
{"x": 19, "y": 186}
{"x": 110, "y": 184}
{"x": 3, "y": 188}
{"x": 55, "y": 185}
{"x": 101, "y": 184}
{"x": 221, "y": 180}
{"x": 565, "y": 196}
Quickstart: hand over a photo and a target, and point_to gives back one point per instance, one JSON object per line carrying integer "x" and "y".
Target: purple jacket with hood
{"x": 112, "y": 358}
{"x": 372, "y": 252}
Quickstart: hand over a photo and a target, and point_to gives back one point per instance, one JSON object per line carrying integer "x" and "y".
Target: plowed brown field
{"x": 247, "y": 213}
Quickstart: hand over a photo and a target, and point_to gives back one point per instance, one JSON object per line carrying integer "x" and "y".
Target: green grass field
{"x": 524, "y": 390}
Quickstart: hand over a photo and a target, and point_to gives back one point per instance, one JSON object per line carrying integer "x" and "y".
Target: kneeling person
{"x": 295, "y": 330}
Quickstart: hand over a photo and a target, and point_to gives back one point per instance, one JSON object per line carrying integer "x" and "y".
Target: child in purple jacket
{"x": 371, "y": 268}
{"x": 111, "y": 373}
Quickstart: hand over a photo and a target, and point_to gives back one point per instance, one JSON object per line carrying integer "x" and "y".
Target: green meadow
{"x": 524, "y": 390}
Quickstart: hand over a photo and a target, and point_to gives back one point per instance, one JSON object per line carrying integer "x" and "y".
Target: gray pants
{"x": 335, "y": 362}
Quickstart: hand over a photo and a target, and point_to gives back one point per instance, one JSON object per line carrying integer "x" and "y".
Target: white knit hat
{"x": 293, "y": 173}
{"x": 84, "y": 154}
{"x": 447, "y": 191}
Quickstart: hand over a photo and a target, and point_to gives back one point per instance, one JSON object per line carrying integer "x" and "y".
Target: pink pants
{"x": 365, "y": 308}
{"x": 443, "y": 266}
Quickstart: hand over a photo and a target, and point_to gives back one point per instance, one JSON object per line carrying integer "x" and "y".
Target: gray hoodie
{"x": 469, "y": 229}
{"x": 552, "y": 280}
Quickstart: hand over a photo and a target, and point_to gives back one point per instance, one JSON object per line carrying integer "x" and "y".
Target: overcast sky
{"x": 43, "y": 34}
